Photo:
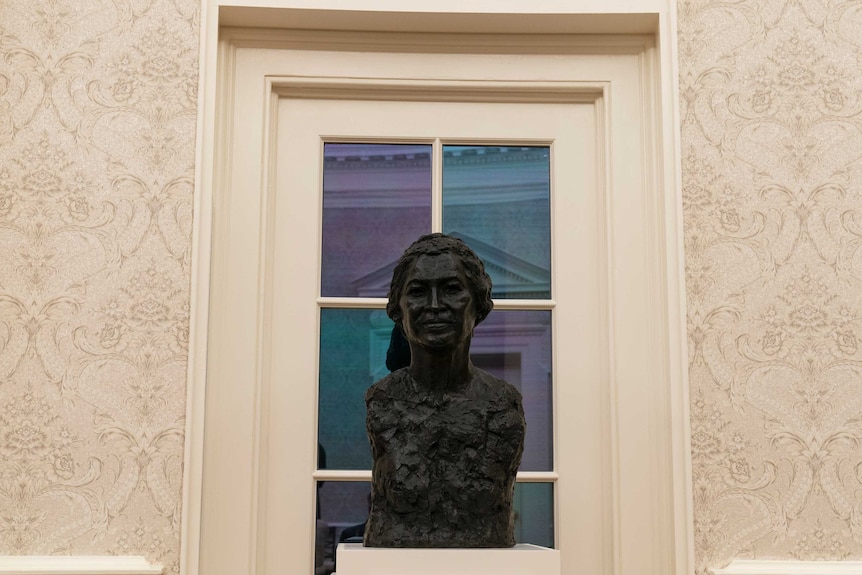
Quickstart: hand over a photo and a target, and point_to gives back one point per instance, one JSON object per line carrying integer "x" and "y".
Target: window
{"x": 377, "y": 199}
{"x": 593, "y": 101}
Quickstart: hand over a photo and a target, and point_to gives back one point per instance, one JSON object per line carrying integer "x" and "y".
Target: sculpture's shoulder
{"x": 384, "y": 402}
{"x": 393, "y": 385}
{"x": 504, "y": 409}
{"x": 493, "y": 387}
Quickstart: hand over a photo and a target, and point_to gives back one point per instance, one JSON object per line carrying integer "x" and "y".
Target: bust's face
{"x": 437, "y": 307}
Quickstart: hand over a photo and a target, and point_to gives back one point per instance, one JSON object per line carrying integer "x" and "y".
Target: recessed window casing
{"x": 287, "y": 89}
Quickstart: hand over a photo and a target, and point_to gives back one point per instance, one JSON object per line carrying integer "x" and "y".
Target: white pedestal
{"x": 354, "y": 559}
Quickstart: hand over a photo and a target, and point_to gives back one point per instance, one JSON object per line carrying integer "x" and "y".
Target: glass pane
{"x": 342, "y": 509}
{"x": 353, "y": 344}
{"x": 513, "y": 345}
{"x": 534, "y": 513}
{"x": 343, "y": 506}
{"x": 376, "y": 202}
{"x": 498, "y": 200}
{"x": 516, "y": 346}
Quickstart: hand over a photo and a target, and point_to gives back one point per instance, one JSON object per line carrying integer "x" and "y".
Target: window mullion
{"x": 437, "y": 187}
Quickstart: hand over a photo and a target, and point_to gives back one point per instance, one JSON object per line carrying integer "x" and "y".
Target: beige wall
{"x": 771, "y": 95}
{"x": 97, "y": 120}
{"x": 97, "y": 104}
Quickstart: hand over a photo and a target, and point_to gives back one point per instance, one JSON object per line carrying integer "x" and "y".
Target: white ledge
{"x": 760, "y": 567}
{"x": 523, "y": 559}
{"x": 77, "y": 565}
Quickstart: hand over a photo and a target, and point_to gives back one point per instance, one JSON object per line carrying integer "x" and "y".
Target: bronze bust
{"x": 446, "y": 437}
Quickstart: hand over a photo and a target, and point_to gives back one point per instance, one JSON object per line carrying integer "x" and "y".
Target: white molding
{"x": 424, "y": 90}
{"x": 78, "y": 565}
{"x": 201, "y": 245}
{"x": 522, "y": 559}
{"x": 486, "y": 16}
{"x": 769, "y": 567}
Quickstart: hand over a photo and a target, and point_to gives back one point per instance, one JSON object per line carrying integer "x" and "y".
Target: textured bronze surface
{"x": 446, "y": 437}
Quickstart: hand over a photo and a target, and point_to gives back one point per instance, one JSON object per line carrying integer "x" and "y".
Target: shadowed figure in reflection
{"x": 446, "y": 437}
{"x": 398, "y": 353}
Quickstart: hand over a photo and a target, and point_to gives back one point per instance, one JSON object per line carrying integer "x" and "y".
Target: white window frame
{"x": 667, "y": 546}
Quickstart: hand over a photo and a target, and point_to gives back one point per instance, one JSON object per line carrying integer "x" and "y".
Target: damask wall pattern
{"x": 97, "y": 116}
{"x": 97, "y": 142}
{"x": 771, "y": 105}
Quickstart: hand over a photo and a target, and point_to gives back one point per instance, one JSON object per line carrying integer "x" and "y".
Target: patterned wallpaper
{"x": 97, "y": 120}
{"x": 97, "y": 116}
{"x": 771, "y": 96}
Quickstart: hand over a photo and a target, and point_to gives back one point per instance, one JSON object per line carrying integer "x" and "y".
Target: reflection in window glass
{"x": 516, "y": 346}
{"x": 376, "y": 202}
{"x": 534, "y": 513}
{"x": 498, "y": 200}
{"x": 342, "y": 508}
{"x": 353, "y": 344}
{"x": 512, "y": 345}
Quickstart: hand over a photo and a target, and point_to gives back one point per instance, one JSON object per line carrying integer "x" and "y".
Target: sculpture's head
{"x": 439, "y": 270}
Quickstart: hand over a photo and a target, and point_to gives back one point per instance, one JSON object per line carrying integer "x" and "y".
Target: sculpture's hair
{"x": 433, "y": 244}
